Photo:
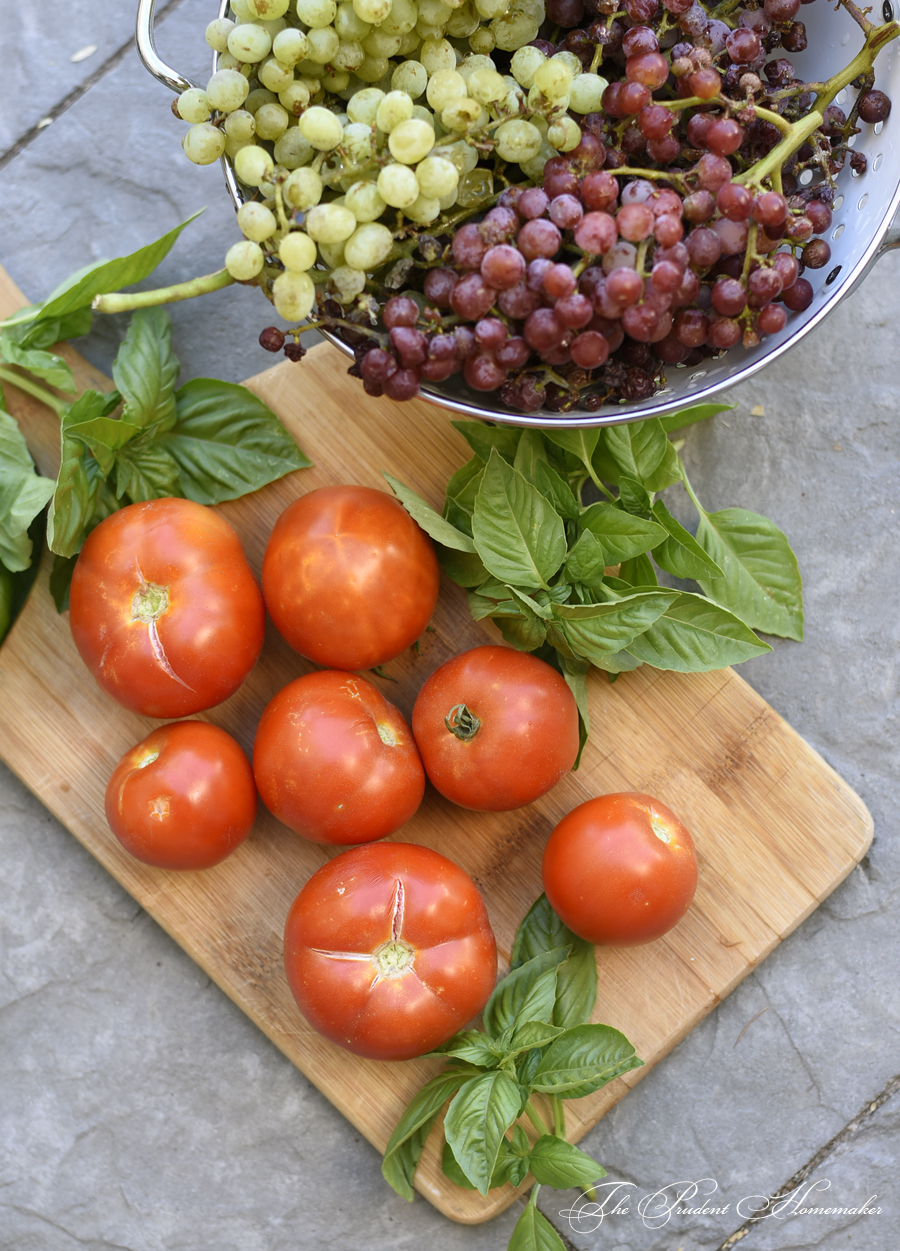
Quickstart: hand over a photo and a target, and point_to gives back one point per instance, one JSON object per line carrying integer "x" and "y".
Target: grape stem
{"x": 795, "y": 137}
{"x": 876, "y": 38}
{"x": 33, "y": 389}
{"x": 125, "y": 301}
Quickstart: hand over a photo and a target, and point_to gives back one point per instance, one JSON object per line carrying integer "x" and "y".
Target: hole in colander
{"x": 838, "y": 232}
{"x": 877, "y": 163}
{"x": 838, "y": 202}
{"x": 806, "y": 177}
{"x": 878, "y": 128}
{"x": 887, "y": 11}
{"x": 864, "y": 200}
{"x": 851, "y": 142}
{"x": 841, "y": 96}
{"x": 854, "y": 173}
{"x": 834, "y": 273}
{"x": 701, "y": 373}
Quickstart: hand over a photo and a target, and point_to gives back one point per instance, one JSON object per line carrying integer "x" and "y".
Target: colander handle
{"x": 146, "y": 47}
{"x": 891, "y": 240}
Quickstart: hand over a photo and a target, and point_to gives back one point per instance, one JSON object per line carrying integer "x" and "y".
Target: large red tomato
{"x": 388, "y": 950}
{"x": 335, "y": 761}
{"x": 164, "y": 609}
{"x": 183, "y": 798}
{"x": 496, "y": 728}
{"x": 350, "y": 579}
{"x": 620, "y": 870}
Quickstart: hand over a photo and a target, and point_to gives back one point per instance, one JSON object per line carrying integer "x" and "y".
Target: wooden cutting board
{"x": 776, "y": 829}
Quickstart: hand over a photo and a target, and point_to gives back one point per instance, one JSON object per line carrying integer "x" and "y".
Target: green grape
{"x": 398, "y": 186}
{"x": 372, "y": 69}
{"x": 394, "y": 108}
{"x": 364, "y": 202}
{"x": 346, "y": 283}
{"x": 271, "y": 121}
{"x": 275, "y": 76}
{"x": 378, "y": 44}
{"x": 364, "y": 105}
{"x": 514, "y": 29}
{"x": 411, "y": 77}
{"x": 292, "y": 150}
{"x": 587, "y": 92}
{"x": 369, "y": 246}
{"x": 241, "y": 10}
{"x": 297, "y": 252}
{"x": 275, "y": 27}
{"x": 533, "y": 168}
{"x": 256, "y": 221}
{"x": 553, "y": 79}
{"x": 349, "y": 25}
{"x": 227, "y": 90}
{"x": 240, "y": 125}
{"x": 203, "y": 143}
{"x": 437, "y": 177}
{"x": 257, "y": 98}
{"x": 469, "y": 64}
{"x": 425, "y": 31}
{"x": 316, "y": 13}
{"x": 564, "y": 134}
{"x": 410, "y": 43}
{"x": 447, "y": 201}
{"x": 330, "y": 223}
{"x": 217, "y": 33}
{"x": 402, "y": 18}
{"x": 482, "y": 41}
{"x": 538, "y": 120}
{"x": 294, "y": 98}
{"x": 253, "y": 165}
{"x": 437, "y": 54}
{"x": 193, "y": 105}
{"x": 321, "y": 128}
{"x": 463, "y": 22}
{"x": 303, "y": 188}
{"x": 334, "y": 80}
{"x": 250, "y": 42}
{"x": 423, "y": 114}
{"x": 372, "y": 11}
{"x": 570, "y": 60}
{"x": 525, "y": 64}
{"x": 294, "y": 295}
{"x": 234, "y": 146}
{"x": 332, "y": 254}
{"x": 244, "y": 260}
{"x": 411, "y": 141}
{"x": 267, "y": 10}
{"x": 434, "y": 12}
{"x": 445, "y": 87}
{"x": 474, "y": 188}
{"x": 358, "y": 143}
{"x": 323, "y": 44}
{"x": 349, "y": 56}
{"x": 290, "y": 46}
{"x": 227, "y": 61}
{"x": 489, "y": 9}
{"x": 424, "y": 210}
{"x": 463, "y": 115}
{"x": 459, "y": 154}
{"x": 517, "y": 141}
{"x": 486, "y": 86}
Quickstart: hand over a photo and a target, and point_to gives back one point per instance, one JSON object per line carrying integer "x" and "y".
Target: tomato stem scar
{"x": 393, "y": 958}
{"x": 150, "y": 602}
{"x": 462, "y": 722}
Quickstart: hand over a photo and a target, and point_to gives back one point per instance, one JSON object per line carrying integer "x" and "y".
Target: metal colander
{"x": 866, "y": 225}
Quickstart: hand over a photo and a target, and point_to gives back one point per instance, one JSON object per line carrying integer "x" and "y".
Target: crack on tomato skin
{"x": 397, "y": 906}
{"x": 159, "y": 653}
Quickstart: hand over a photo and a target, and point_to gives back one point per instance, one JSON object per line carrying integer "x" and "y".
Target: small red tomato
{"x": 388, "y": 950}
{"x": 350, "y": 580}
{"x": 335, "y": 761}
{"x": 164, "y": 609}
{"x": 620, "y": 870}
{"x": 496, "y": 728}
{"x": 183, "y": 798}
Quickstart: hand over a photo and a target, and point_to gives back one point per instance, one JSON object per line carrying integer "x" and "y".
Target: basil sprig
{"x": 537, "y": 1039}
{"x": 541, "y": 563}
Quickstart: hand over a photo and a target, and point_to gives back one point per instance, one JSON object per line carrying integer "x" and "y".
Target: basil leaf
{"x": 472, "y": 1046}
{"x": 586, "y": 561}
{"x": 535, "y": 1034}
{"x": 533, "y": 1232}
{"x": 52, "y": 369}
{"x": 226, "y": 442}
{"x": 634, "y": 498}
{"x": 680, "y": 554}
{"x": 450, "y": 1168}
{"x": 555, "y": 1162}
{"x": 582, "y": 1060}
{"x": 531, "y": 605}
{"x": 525, "y": 635}
{"x": 643, "y": 452}
{"x": 431, "y": 522}
{"x": 146, "y": 370}
{"x": 23, "y": 493}
{"x": 78, "y": 291}
{"x": 506, "y": 1004}
{"x": 638, "y": 572}
{"x": 102, "y": 436}
{"x": 687, "y": 416}
{"x": 575, "y": 674}
{"x": 85, "y": 426}
{"x": 694, "y": 635}
{"x": 518, "y": 534}
{"x": 621, "y": 535}
{"x": 401, "y": 1155}
{"x": 61, "y": 580}
{"x": 529, "y": 454}
{"x": 463, "y": 568}
{"x": 462, "y": 489}
{"x": 580, "y": 442}
{"x": 477, "y": 1119}
{"x": 45, "y": 334}
{"x": 557, "y": 490}
{"x": 595, "y": 631}
{"x": 483, "y": 438}
{"x": 761, "y": 581}
{"x": 576, "y": 978}
{"x": 145, "y": 471}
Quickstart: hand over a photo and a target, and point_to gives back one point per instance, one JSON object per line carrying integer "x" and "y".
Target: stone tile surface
{"x": 140, "y": 1109}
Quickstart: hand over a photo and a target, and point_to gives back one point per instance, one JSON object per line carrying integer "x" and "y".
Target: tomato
{"x": 183, "y": 798}
{"x": 335, "y": 761}
{"x": 164, "y": 609}
{"x": 350, "y": 580}
{"x": 620, "y": 870}
{"x": 388, "y": 950}
{"x": 496, "y": 728}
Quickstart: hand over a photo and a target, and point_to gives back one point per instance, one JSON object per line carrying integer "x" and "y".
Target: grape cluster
{"x": 653, "y": 204}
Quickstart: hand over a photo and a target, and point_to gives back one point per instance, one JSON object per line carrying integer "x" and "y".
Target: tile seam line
{"x": 82, "y": 89}
{"x": 869, "y": 1108}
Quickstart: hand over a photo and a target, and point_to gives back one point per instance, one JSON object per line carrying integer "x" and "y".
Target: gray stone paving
{"x": 140, "y": 1109}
